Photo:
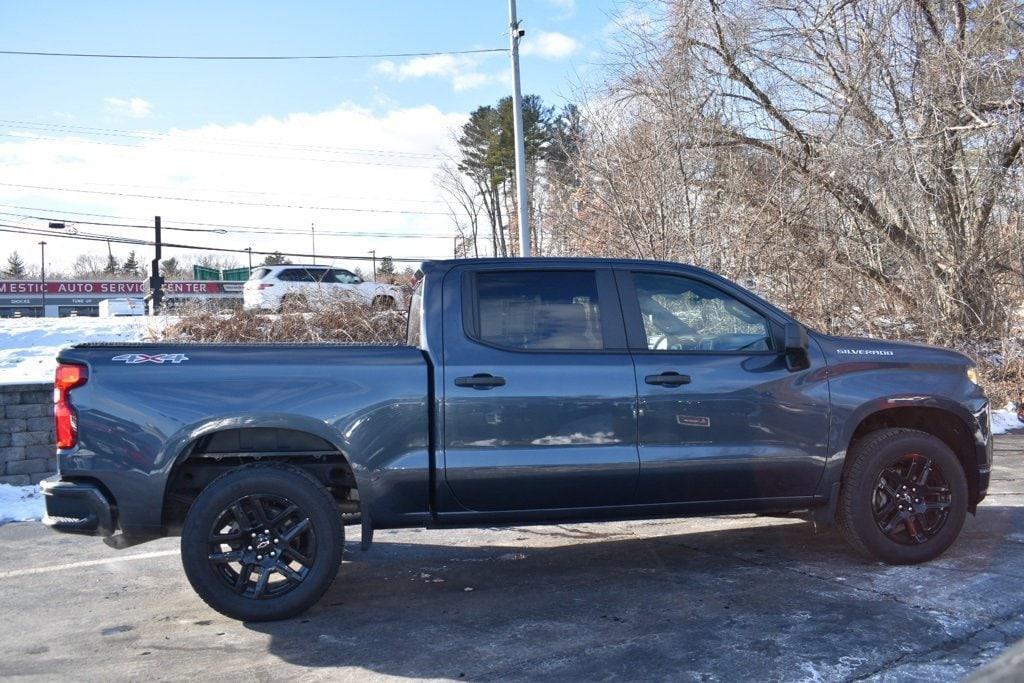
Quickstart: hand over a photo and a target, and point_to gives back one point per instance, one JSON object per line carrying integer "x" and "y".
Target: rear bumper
{"x": 77, "y": 507}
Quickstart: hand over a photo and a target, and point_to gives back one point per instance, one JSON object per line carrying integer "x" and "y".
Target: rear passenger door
{"x": 539, "y": 391}
{"x": 721, "y": 417}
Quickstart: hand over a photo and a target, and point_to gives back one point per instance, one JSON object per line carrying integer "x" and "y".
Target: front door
{"x": 539, "y": 391}
{"x": 721, "y": 417}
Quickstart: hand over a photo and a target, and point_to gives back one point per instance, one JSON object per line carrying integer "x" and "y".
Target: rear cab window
{"x": 538, "y": 310}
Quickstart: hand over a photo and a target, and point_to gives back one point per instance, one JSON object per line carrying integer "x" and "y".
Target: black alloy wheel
{"x": 262, "y": 546}
{"x": 262, "y": 542}
{"x": 904, "y": 496}
{"x": 912, "y": 500}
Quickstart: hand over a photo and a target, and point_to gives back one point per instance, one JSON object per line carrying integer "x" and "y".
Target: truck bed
{"x": 145, "y": 407}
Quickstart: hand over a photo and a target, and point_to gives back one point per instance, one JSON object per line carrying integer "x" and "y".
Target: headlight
{"x": 972, "y": 374}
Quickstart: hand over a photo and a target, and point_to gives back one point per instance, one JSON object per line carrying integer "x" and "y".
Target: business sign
{"x": 83, "y": 297}
{"x": 109, "y": 289}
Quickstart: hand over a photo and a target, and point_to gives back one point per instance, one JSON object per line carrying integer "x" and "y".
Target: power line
{"x": 104, "y": 143}
{"x": 226, "y": 201}
{"x": 97, "y": 55}
{"x": 58, "y": 214}
{"x": 144, "y": 243}
{"x": 240, "y": 230}
{"x": 155, "y": 135}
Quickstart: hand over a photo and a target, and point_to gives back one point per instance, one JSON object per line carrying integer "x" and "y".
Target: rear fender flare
{"x": 176, "y": 448}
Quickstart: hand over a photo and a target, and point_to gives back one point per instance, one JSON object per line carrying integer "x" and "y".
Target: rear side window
{"x": 539, "y": 310}
{"x": 259, "y": 273}
{"x": 302, "y": 275}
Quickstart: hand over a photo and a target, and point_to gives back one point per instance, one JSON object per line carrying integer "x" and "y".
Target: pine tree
{"x": 131, "y": 265}
{"x": 15, "y": 266}
{"x": 275, "y": 259}
{"x": 386, "y": 267}
{"x": 112, "y": 265}
{"x": 170, "y": 268}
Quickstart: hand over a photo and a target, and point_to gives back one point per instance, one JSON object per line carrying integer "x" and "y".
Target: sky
{"x": 333, "y": 145}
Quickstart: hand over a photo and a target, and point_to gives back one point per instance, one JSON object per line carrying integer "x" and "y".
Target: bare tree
{"x": 852, "y": 156}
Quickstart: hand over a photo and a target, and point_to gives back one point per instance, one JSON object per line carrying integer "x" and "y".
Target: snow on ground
{"x": 20, "y": 503}
{"x": 1005, "y": 419}
{"x": 29, "y": 346}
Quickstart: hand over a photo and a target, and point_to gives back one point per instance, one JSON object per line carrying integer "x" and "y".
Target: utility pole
{"x": 312, "y": 230}
{"x": 156, "y": 282}
{"x": 515, "y": 33}
{"x": 373, "y": 253}
{"x": 249, "y": 249}
{"x": 42, "y": 272}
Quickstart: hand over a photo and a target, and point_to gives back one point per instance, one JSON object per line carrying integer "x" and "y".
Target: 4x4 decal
{"x": 135, "y": 358}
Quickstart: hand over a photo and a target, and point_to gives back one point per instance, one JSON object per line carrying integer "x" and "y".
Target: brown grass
{"x": 324, "y": 320}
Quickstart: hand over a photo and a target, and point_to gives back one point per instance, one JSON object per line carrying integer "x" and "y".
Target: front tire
{"x": 903, "y": 498}
{"x": 262, "y": 543}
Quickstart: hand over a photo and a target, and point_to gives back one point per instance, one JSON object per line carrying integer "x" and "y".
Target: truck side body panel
{"x": 137, "y": 418}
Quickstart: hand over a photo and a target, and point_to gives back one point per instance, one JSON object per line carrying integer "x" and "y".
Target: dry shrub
{"x": 1001, "y": 366}
{"x": 325, "y": 319}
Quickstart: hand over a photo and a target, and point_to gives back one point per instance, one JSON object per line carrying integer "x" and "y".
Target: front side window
{"x": 680, "y": 314}
{"x": 344, "y": 277}
{"x": 539, "y": 310}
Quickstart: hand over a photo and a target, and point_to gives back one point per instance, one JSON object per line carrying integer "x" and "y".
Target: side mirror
{"x": 796, "y": 347}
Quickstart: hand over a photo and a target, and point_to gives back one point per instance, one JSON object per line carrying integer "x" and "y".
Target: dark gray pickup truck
{"x": 531, "y": 390}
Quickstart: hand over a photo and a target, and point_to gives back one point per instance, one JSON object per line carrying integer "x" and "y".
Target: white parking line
{"x": 87, "y": 563}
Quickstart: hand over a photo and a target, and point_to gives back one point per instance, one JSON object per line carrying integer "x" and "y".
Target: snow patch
{"x": 29, "y": 346}
{"x": 1005, "y": 419}
{"x": 20, "y": 503}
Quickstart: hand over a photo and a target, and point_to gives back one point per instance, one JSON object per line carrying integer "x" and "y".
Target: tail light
{"x": 68, "y": 377}
{"x": 263, "y": 285}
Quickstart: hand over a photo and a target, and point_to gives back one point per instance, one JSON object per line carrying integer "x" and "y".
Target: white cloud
{"x": 462, "y": 71}
{"x": 135, "y": 107}
{"x": 631, "y": 20}
{"x": 303, "y": 160}
{"x": 549, "y": 45}
{"x": 568, "y": 7}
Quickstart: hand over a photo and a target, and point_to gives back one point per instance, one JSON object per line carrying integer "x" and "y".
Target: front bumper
{"x": 77, "y": 507}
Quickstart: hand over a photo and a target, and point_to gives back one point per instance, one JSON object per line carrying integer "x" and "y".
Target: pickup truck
{"x": 529, "y": 391}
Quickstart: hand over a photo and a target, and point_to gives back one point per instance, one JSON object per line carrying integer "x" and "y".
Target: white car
{"x": 271, "y": 286}
{"x": 114, "y": 308}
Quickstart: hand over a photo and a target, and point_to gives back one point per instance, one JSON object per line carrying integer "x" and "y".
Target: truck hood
{"x": 839, "y": 349}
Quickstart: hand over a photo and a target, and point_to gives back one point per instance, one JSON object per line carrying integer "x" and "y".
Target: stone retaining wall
{"x": 27, "y": 445}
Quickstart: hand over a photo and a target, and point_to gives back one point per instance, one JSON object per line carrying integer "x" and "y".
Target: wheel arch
{"x": 306, "y": 442}
{"x": 944, "y": 420}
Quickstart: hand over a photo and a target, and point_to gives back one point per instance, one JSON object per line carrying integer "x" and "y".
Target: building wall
{"x": 27, "y": 444}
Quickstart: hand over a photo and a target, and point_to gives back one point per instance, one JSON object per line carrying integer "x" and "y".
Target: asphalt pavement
{"x": 719, "y": 598}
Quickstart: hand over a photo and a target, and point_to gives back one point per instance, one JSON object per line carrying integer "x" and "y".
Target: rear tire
{"x": 262, "y": 542}
{"x": 904, "y": 496}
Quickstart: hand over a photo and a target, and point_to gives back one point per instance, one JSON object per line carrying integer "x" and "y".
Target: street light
{"x": 373, "y": 253}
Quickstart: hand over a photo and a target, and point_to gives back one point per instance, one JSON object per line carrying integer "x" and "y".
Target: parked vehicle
{"x": 125, "y": 306}
{"x": 272, "y": 287}
{"x": 530, "y": 391}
